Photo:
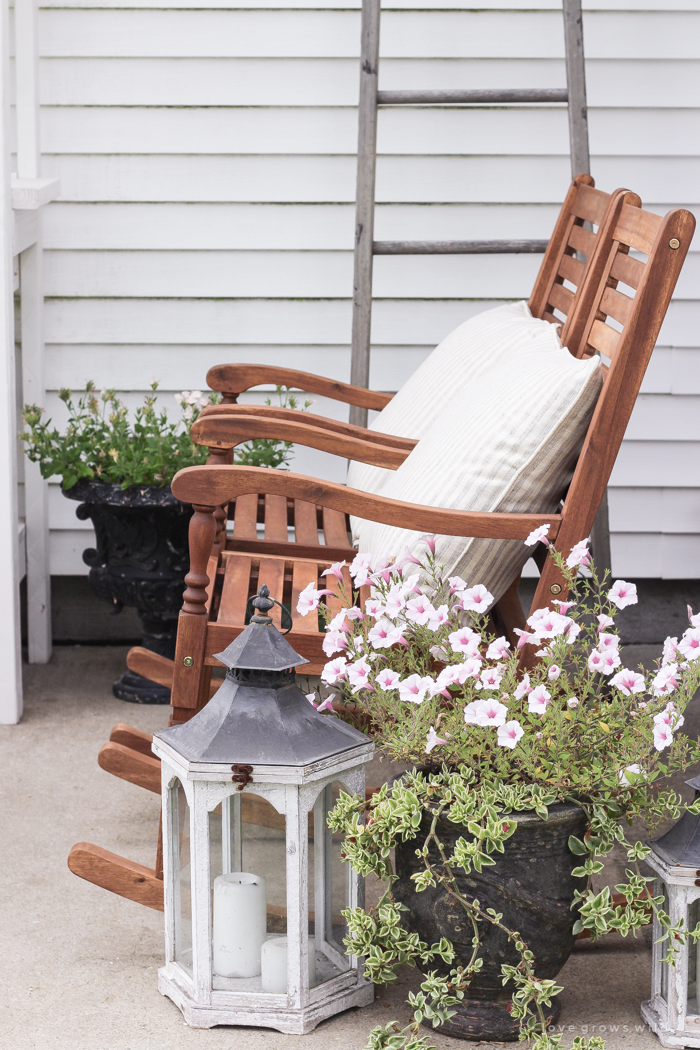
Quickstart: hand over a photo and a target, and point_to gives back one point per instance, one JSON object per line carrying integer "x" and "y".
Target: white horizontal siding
{"x": 207, "y": 168}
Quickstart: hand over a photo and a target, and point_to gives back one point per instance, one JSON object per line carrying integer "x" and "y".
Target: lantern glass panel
{"x": 182, "y": 897}
{"x": 249, "y": 892}
{"x": 693, "y": 1006}
{"x": 329, "y": 890}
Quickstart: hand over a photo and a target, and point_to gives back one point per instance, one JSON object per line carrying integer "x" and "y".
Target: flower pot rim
{"x": 91, "y": 490}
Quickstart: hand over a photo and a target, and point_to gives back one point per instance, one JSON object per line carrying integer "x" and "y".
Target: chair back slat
{"x": 561, "y": 298}
{"x": 637, "y": 229}
{"x": 616, "y": 305}
{"x": 590, "y": 204}
{"x": 571, "y": 269}
{"x": 628, "y": 270}
{"x": 604, "y": 338}
{"x": 582, "y": 240}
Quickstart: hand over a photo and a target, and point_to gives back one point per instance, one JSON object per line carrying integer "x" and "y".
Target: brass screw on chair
{"x": 188, "y": 661}
{"x": 555, "y": 588}
{"x": 674, "y": 243}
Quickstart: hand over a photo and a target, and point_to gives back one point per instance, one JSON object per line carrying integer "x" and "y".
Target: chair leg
{"x": 117, "y": 874}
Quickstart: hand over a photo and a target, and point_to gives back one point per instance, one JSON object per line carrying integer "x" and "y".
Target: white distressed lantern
{"x": 673, "y": 1012}
{"x": 254, "y": 882}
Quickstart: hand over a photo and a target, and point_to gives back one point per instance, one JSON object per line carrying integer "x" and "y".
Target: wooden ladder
{"x": 365, "y": 245}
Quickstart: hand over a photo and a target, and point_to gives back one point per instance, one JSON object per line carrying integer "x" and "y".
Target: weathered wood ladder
{"x": 371, "y": 98}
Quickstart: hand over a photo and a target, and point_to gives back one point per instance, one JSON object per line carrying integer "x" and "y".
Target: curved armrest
{"x": 211, "y": 486}
{"x": 234, "y": 379}
{"x": 225, "y": 432}
{"x": 293, "y": 415}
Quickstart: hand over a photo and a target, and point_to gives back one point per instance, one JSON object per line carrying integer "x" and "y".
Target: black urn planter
{"x": 141, "y": 559}
{"x": 531, "y": 884}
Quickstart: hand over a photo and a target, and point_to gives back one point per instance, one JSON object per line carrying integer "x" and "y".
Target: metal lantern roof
{"x": 681, "y": 845}
{"x": 259, "y": 716}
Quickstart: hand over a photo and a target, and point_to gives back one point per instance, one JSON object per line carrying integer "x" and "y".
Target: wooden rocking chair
{"x": 224, "y": 572}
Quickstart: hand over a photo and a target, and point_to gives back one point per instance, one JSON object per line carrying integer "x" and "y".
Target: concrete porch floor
{"x": 78, "y": 965}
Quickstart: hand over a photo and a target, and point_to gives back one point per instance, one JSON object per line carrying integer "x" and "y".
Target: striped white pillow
{"x": 506, "y": 442}
{"x": 489, "y": 339}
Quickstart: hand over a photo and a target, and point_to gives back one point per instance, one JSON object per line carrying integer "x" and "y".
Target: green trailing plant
{"x": 420, "y": 669}
{"x": 100, "y": 442}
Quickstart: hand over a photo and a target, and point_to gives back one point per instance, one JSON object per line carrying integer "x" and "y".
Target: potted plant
{"x": 522, "y": 783}
{"x": 120, "y": 472}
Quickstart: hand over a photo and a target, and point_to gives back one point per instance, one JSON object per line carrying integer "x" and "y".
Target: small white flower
{"x": 580, "y": 555}
{"x": 358, "y": 673}
{"x": 623, "y": 594}
{"x": 374, "y": 608}
{"x": 553, "y": 672}
{"x": 308, "y": 600}
{"x": 334, "y": 642}
{"x": 384, "y": 634}
{"x": 608, "y": 641}
{"x": 464, "y": 641}
{"x": 572, "y": 702}
{"x": 509, "y": 733}
{"x": 419, "y": 610}
{"x": 491, "y": 713}
{"x": 670, "y": 651}
{"x": 490, "y": 678}
{"x": 457, "y": 584}
{"x": 439, "y": 618}
{"x": 669, "y": 717}
{"x": 394, "y": 601}
{"x": 663, "y": 735}
{"x": 666, "y": 680}
{"x": 604, "y": 621}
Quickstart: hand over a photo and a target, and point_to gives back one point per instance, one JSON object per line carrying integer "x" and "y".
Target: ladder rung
{"x": 458, "y": 247}
{"x": 412, "y": 98}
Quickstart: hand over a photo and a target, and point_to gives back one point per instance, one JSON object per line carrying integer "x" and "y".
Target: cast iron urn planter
{"x": 530, "y": 883}
{"x": 141, "y": 559}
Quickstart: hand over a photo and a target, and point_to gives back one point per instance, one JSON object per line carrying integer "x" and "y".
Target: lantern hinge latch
{"x": 242, "y": 775}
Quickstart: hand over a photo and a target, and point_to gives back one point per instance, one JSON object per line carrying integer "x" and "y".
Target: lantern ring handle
{"x": 285, "y": 611}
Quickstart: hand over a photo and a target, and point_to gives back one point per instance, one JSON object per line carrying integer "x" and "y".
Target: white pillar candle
{"x": 273, "y": 961}
{"x": 240, "y": 923}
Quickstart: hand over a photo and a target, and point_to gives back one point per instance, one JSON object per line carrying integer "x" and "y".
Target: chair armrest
{"x": 212, "y": 486}
{"x": 234, "y": 379}
{"x": 293, "y": 415}
{"x": 226, "y": 431}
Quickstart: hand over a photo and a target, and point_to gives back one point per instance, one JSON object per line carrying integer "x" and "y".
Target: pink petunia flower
{"x": 524, "y": 638}
{"x": 358, "y": 673}
{"x": 490, "y": 678}
{"x": 608, "y": 641}
{"x": 694, "y": 619}
{"x": 336, "y": 569}
{"x": 387, "y": 679}
{"x": 611, "y": 660}
{"x": 539, "y": 700}
{"x": 338, "y": 622}
{"x": 430, "y": 540}
{"x": 439, "y": 618}
{"x": 327, "y": 705}
{"x": 509, "y": 733}
{"x": 564, "y": 606}
{"x": 623, "y": 594}
{"x": 689, "y": 644}
{"x": 360, "y": 569}
{"x": 523, "y": 688}
{"x": 553, "y": 672}
{"x": 579, "y": 555}
{"x": 394, "y": 601}
{"x": 670, "y": 651}
{"x": 669, "y": 717}
{"x": 334, "y": 671}
{"x": 353, "y": 613}
{"x": 476, "y": 598}
{"x": 464, "y": 641}
{"x": 309, "y": 599}
{"x": 604, "y": 621}
{"x": 629, "y": 682}
{"x": 663, "y": 736}
{"x": 491, "y": 713}
{"x": 457, "y": 584}
{"x": 384, "y": 634}
{"x": 414, "y": 688}
{"x": 335, "y": 642}
{"x": 433, "y": 740}
{"x": 469, "y": 668}
{"x": 374, "y": 608}
{"x": 471, "y": 713}
{"x": 419, "y": 610}
{"x": 538, "y": 535}
{"x": 572, "y": 702}
{"x": 498, "y": 650}
{"x": 408, "y": 559}
{"x": 666, "y": 680}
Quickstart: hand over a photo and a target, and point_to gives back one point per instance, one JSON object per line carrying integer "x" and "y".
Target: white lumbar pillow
{"x": 489, "y": 339}
{"x": 507, "y": 441}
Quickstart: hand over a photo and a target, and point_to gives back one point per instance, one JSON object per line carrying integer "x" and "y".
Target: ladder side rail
{"x": 32, "y": 334}
{"x": 364, "y": 207}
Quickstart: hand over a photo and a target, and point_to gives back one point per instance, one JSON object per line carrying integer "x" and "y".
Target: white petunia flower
{"x": 689, "y": 644}
{"x": 414, "y": 689}
{"x": 433, "y": 740}
{"x": 629, "y": 682}
{"x": 498, "y": 650}
{"x": 539, "y": 700}
{"x": 334, "y": 671}
{"x": 387, "y": 679}
{"x": 538, "y": 535}
{"x": 623, "y": 594}
{"x": 476, "y": 598}
{"x": 509, "y": 733}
